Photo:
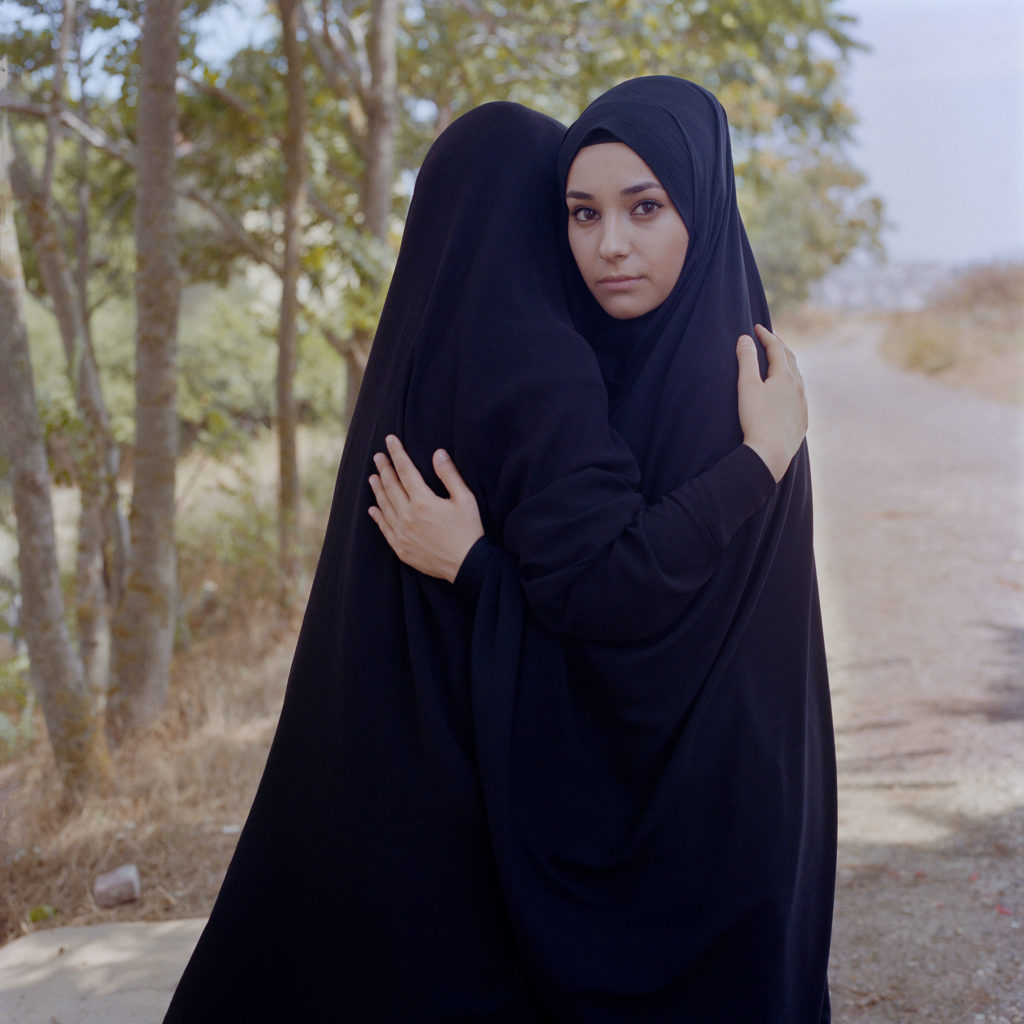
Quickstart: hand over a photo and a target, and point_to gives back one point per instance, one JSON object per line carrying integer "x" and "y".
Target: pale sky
{"x": 941, "y": 103}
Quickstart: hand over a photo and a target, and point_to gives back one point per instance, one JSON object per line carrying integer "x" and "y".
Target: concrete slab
{"x": 95, "y": 974}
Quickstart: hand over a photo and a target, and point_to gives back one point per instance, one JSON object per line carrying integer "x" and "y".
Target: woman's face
{"x": 628, "y": 240}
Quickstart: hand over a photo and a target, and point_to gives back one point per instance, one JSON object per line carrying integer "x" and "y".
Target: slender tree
{"x": 143, "y": 629}
{"x": 76, "y": 736}
{"x": 65, "y": 275}
{"x": 103, "y": 530}
{"x": 287, "y": 338}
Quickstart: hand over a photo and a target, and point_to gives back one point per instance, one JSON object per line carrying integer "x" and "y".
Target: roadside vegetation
{"x": 184, "y": 782}
{"x": 971, "y": 332}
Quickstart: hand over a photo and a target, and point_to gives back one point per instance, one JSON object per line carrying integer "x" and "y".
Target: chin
{"x": 622, "y": 310}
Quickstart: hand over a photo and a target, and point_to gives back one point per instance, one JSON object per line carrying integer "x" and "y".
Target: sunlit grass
{"x": 972, "y": 331}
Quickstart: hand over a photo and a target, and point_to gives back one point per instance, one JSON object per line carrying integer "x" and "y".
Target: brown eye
{"x": 584, "y": 214}
{"x": 647, "y": 206}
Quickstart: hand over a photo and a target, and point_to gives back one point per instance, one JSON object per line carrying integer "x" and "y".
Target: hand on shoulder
{"x": 773, "y": 411}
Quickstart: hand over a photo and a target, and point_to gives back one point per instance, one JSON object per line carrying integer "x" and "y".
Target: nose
{"x": 614, "y": 242}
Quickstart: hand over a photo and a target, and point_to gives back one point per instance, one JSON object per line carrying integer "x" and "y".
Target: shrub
{"x": 973, "y": 328}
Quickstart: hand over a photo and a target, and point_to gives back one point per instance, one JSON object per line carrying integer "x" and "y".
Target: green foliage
{"x": 227, "y": 529}
{"x": 774, "y": 64}
{"x": 17, "y": 706}
{"x": 227, "y": 363}
{"x": 777, "y": 65}
{"x": 804, "y": 218}
{"x": 319, "y": 382}
{"x": 41, "y": 913}
{"x": 228, "y": 552}
{"x": 234, "y": 119}
{"x": 228, "y": 358}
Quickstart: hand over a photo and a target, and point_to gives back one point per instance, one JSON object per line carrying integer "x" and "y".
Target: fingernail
{"x": 390, "y": 440}
{"x": 746, "y": 339}
{"x": 442, "y": 454}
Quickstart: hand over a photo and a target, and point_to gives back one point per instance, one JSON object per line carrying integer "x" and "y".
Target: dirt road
{"x": 919, "y": 492}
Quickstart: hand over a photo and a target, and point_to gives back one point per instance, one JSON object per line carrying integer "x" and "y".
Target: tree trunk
{"x": 92, "y": 605}
{"x": 287, "y": 340}
{"x": 381, "y": 104}
{"x": 75, "y": 733}
{"x": 103, "y": 528}
{"x": 100, "y": 579}
{"x": 143, "y": 629}
{"x": 381, "y": 117}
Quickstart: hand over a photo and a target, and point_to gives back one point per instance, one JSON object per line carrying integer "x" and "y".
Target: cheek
{"x": 578, "y": 249}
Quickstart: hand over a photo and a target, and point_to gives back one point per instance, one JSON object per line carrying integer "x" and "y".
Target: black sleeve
{"x": 561, "y": 491}
{"x": 643, "y": 580}
{"x": 470, "y": 576}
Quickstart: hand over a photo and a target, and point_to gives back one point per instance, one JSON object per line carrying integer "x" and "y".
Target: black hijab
{"x": 688, "y": 343}
{"x": 662, "y": 801}
{"x": 364, "y": 884}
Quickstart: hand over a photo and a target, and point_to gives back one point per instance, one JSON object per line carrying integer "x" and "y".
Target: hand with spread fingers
{"x": 428, "y": 532}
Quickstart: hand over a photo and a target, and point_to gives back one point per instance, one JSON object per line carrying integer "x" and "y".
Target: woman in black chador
{"x": 660, "y": 782}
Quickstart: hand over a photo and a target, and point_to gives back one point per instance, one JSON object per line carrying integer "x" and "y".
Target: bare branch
{"x": 126, "y": 154}
{"x": 328, "y": 213}
{"x": 343, "y": 346}
{"x": 339, "y": 68}
{"x": 95, "y": 138}
{"x": 231, "y": 226}
{"x": 57, "y": 98}
{"x": 228, "y": 98}
{"x": 353, "y": 33}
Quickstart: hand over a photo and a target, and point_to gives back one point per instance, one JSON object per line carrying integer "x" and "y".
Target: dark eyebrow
{"x": 642, "y": 187}
{"x": 631, "y": 190}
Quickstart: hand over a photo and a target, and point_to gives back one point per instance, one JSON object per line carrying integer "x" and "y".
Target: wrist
{"x": 451, "y": 570}
{"x": 776, "y": 461}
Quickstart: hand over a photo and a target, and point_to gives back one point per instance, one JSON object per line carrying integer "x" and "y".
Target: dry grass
{"x": 971, "y": 335}
{"x": 807, "y": 324}
{"x": 183, "y": 787}
{"x": 183, "y": 790}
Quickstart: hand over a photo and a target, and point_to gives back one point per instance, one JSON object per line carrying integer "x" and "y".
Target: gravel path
{"x": 919, "y": 492}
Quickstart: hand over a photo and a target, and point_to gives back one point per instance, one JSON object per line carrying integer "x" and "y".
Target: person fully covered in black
{"x": 661, "y": 786}
{"x": 363, "y": 886}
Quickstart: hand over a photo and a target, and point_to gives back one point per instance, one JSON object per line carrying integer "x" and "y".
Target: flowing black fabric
{"x": 662, "y": 796}
{"x": 364, "y": 886}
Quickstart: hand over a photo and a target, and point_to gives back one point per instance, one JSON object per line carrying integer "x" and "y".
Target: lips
{"x": 618, "y": 283}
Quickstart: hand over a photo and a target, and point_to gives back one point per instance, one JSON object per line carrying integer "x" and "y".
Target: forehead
{"x": 608, "y": 167}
